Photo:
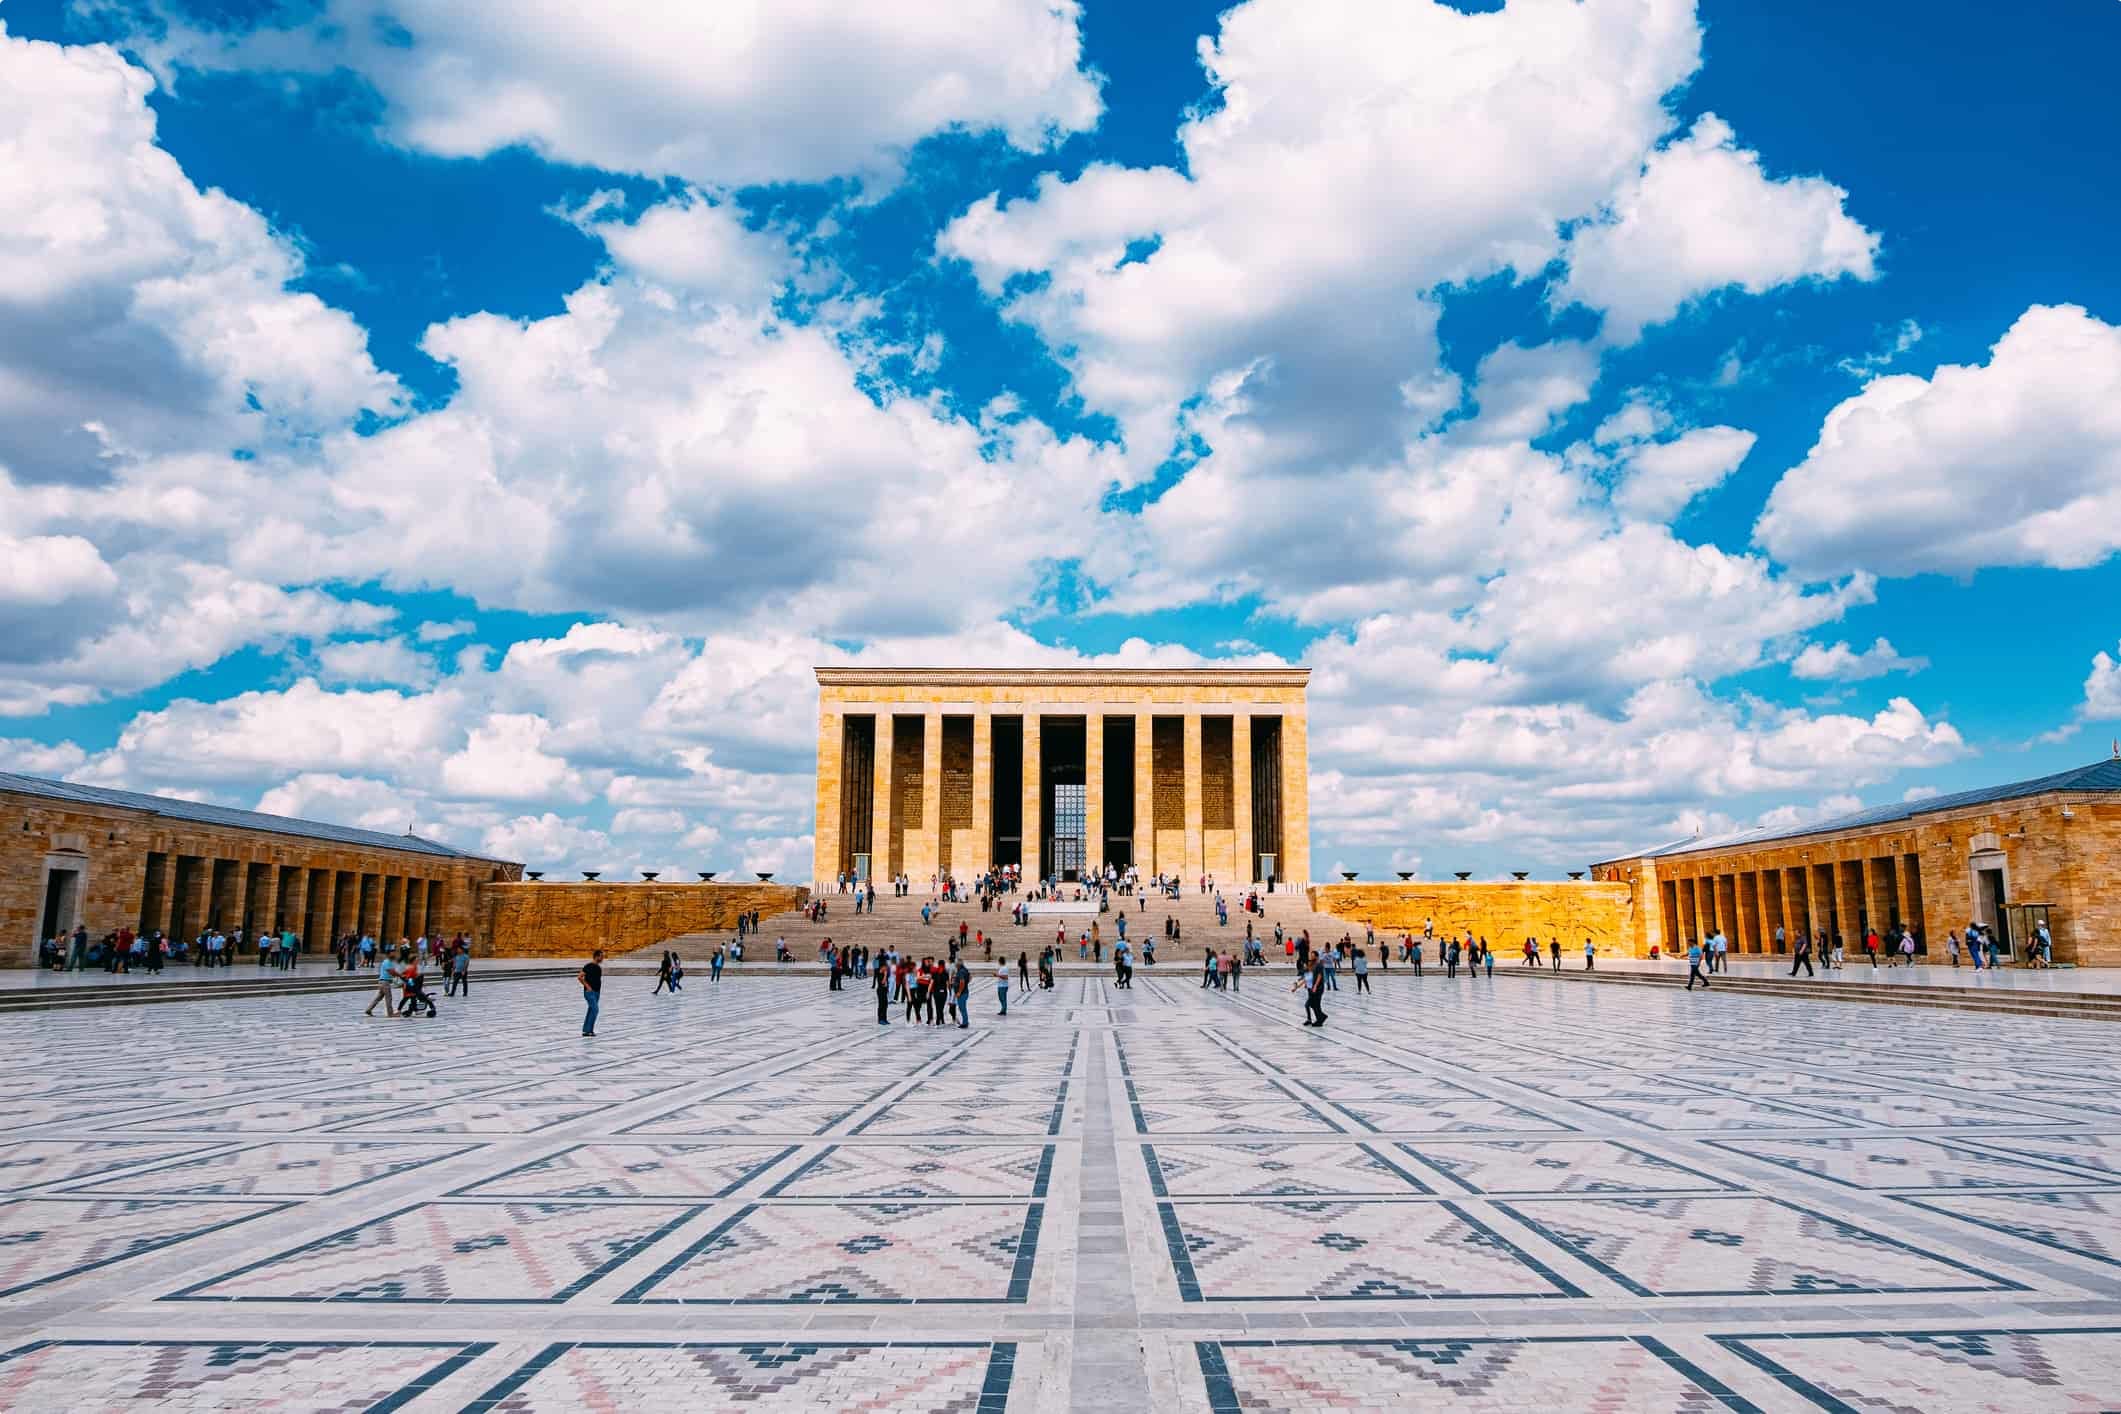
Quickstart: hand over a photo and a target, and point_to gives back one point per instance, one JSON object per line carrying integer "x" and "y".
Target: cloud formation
{"x": 2013, "y": 462}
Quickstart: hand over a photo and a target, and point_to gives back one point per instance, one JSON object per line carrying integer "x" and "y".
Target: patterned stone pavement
{"x": 1457, "y": 1196}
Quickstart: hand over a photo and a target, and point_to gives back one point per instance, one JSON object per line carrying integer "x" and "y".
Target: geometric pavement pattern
{"x": 1458, "y": 1195}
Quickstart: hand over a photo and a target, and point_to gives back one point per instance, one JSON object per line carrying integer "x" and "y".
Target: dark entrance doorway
{"x": 1066, "y": 847}
{"x": 62, "y": 892}
{"x": 1995, "y": 910}
{"x": 1063, "y": 797}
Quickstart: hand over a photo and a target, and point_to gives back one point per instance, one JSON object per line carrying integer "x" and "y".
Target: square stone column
{"x": 1296, "y": 797}
{"x": 416, "y": 907}
{"x": 825, "y": 854}
{"x": 1745, "y": 891}
{"x": 982, "y": 791}
{"x": 265, "y": 907}
{"x": 294, "y": 906}
{"x": 1877, "y": 874}
{"x": 198, "y": 895}
{"x": 1848, "y": 901}
{"x": 1034, "y": 830}
{"x": 227, "y": 903}
{"x": 1145, "y": 793}
{"x": 1701, "y": 915}
{"x": 884, "y": 862}
{"x": 1241, "y": 797}
{"x": 163, "y": 898}
{"x": 370, "y": 904}
{"x": 1094, "y": 790}
{"x": 1789, "y": 913}
{"x": 931, "y": 794}
{"x": 1912, "y": 904}
{"x": 1196, "y": 850}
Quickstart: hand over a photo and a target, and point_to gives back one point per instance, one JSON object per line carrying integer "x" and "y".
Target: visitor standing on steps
{"x": 592, "y": 979}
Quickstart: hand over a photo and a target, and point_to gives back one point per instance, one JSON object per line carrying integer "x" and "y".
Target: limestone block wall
{"x": 1505, "y": 914}
{"x": 567, "y": 920}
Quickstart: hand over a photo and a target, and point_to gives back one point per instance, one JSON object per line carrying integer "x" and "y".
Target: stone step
{"x": 155, "y": 993}
{"x": 2079, "y": 1005}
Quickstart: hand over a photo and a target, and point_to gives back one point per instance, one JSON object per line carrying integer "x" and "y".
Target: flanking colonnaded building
{"x": 2008, "y": 857}
{"x": 1185, "y": 771}
{"x": 110, "y": 859}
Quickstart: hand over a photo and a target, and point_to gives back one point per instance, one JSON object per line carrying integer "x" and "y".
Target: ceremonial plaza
{"x": 1575, "y": 1185}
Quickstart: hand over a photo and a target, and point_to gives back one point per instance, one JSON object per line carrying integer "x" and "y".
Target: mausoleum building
{"x": 1185, "y": 771}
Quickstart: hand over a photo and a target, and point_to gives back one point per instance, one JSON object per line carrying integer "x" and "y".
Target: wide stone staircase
{"x": 897, "y": 923}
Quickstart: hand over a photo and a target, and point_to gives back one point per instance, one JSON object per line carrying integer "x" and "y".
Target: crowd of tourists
{"x": 125, "y": 951}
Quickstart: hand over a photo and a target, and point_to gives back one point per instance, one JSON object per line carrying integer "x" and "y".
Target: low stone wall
{"x": 1504, "y": 914}
{"x": 567, "y": 920}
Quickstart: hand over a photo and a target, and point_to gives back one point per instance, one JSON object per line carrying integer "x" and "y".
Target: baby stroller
{"x": 415, "y": 994}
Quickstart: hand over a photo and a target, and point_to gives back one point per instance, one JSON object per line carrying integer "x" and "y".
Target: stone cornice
{"x": 1062, "y": 677}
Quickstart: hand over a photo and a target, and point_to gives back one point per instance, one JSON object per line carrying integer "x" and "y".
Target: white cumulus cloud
{"x": 728, "y": 93}
{"x": 2013, "y": 462}
{"x": 1840, "y": 663}
{"x": 1702, "y": 216}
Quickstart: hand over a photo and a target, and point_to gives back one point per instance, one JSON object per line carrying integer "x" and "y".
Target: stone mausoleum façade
{"x": 1185, "y": 771}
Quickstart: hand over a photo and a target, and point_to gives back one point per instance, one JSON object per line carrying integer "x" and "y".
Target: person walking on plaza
{"x": 592, "y": 979}
{"x": 1951, "y": 945}
{"x": 882, "y": 986}
{"x": 1314, "y": 989}
{"x": 662, "y": 975}
{"x": 1590, "y": 955}
{"x": 386, "y": 970}
{"x": 1554, "y": 947}
{"x": 1001, "y": 985}
{"x": 1693, "y": 967}
{"x": 1362, "y": 970}
{"x": 460, "y": 969}
{"x": 961, "y": 993}
{"x": 1023, "y": 971}
{"x": 1802, "y": 957}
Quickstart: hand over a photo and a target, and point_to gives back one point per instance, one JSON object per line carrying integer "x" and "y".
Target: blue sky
{"x": 428, "y": 416}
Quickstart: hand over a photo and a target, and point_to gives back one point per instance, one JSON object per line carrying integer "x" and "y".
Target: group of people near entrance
{"x": 126, "y": 951}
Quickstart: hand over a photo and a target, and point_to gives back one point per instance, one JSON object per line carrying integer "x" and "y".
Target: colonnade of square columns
{"x": 186, "y": 893}
{"x": 908, "y": 805}
{"x": 1831, "y": 895}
